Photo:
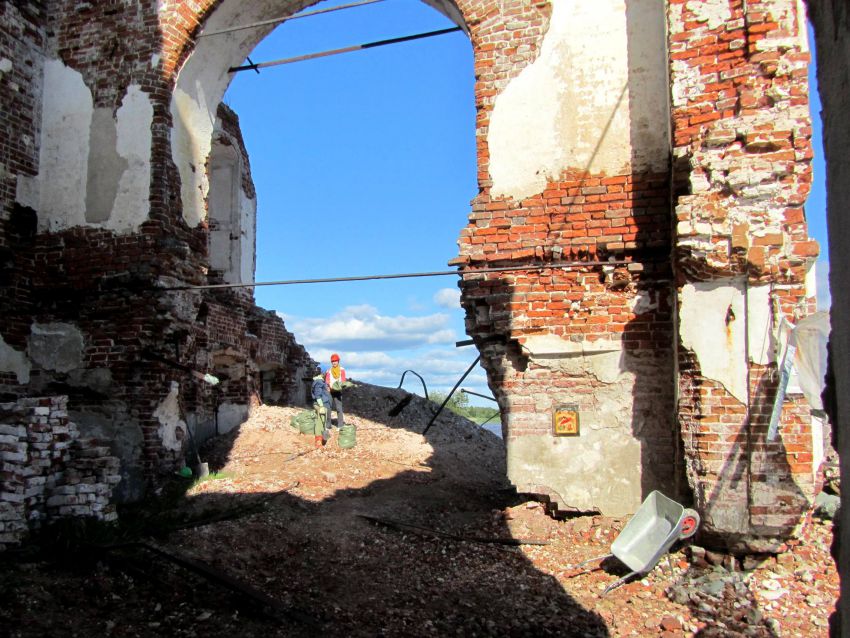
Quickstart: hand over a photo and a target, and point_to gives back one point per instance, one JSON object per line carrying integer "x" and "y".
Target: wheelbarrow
{"x": 658, "y": 523}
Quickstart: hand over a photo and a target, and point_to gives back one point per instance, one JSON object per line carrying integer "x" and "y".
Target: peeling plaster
{"x": 134, "y": 119}
{"x": 602, "y": 358}
{"x": 201, "y": 85}
{"x": 643, "y": 302}
{"x": 58, "y": 192}
{"x": 551, "y": 116}
{"x": 105, "y": 166}
{"x": 713, "y": 324}
{"x": 553, "y": 345}
{"x": 56, "y": 346}
{"x": 14, "y": 361}
{"x": 586, "y": 473}
{"x": 714, "y": 12}
{"x": 168, "y": 414}
{"x": 565, "y": 465}
{"x": 233, "y": 241}
{"x": 231, "y": 415}
{"x": 94, "y": 168}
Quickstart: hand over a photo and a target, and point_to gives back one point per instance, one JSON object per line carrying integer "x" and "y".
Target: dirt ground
{"x": 402, "y": 535}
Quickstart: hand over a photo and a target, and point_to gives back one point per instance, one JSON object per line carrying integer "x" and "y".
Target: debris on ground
{"x": 401, "y": 535}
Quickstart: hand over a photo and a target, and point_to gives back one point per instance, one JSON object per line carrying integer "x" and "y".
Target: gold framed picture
{"x": 565, "y": 421}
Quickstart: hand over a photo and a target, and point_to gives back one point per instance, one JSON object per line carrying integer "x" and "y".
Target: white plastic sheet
{"x": 812, "y": 335}
{"x": 805, "y": 346}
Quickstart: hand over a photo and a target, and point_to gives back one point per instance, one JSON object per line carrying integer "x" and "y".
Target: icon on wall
{"x": 565, "y": 421}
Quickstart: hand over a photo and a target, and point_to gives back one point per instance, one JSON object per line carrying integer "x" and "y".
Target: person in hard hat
{"x": 322, "y": 406}
{"x": 336, "y": 381}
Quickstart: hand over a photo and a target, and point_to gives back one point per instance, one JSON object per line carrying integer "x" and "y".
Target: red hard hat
{"x": 334, "y": 357}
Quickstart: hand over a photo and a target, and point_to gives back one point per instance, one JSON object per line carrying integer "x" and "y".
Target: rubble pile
{"x": 48, "y": 472}
{"x": 402, "y": 535}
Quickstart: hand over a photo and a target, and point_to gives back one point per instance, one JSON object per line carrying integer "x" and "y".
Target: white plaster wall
{"x": 170, "y": 423}
{"x": 14, "y": 361}
{"x": 599, "y": 471}
{"x": 604, "y": 468}
{"x": 593, "y": 100}
{"x": 231, "y": 415}
{"x": 222, "y": 200}
{"x": 235, "y": 215}
{"x": 132, "y": 203}
{"x": 56, "y": 346}
{"x": 201, "y": 84}
{"x": 247, "y": 237}
{"x": 60, "y": 191}
{"x": 717, "y": 340}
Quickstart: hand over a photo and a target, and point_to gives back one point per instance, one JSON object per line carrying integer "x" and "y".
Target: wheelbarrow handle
{"x": 616, "y": 584}
{"x": 590, "y": 560}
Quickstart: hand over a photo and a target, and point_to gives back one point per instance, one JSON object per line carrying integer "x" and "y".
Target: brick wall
{"x": 106, "y": 284}
{"x": 48, "y": 471}
{"x": 742, "y": 156}
{"x": 729, "y": 207}
{"x": 22, "y": 41}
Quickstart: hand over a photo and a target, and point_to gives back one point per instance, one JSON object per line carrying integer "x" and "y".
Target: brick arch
{"x": 592, "y": 188}
{"x": 195, "y": 68}
{"x": 587, "y": 175}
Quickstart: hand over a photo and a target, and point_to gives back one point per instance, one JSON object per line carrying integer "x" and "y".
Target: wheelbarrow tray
{"x": 649, "y": 534}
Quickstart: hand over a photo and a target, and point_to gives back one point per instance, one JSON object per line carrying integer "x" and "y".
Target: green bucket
{"x": 347, "y": 436}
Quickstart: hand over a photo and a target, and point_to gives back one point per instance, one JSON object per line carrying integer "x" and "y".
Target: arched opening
{"x": 232, "y": 212}
{"x": 349, "y": 182}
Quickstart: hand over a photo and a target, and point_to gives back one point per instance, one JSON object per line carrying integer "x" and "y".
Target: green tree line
{"x": 459, "y": 404}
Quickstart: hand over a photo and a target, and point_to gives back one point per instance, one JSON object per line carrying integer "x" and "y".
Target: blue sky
{"x": 364, "y": 163}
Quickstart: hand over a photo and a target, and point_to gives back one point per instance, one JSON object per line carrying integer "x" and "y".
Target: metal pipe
{"x": 307, "y": 14}
{"x": 483, "y": 396}
{"x": 355, "y": 47}
{"x": 424, "y": 387}
{"x": 449, "y": 396}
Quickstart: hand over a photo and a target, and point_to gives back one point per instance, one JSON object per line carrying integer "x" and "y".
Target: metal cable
{"x": 439, "y": 273}
{"x": 306, "y": 14}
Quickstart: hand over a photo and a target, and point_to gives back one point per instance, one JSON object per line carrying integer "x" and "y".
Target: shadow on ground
{"x": 306, "y": 546}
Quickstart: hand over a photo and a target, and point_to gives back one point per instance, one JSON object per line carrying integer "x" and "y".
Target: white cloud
{"x": 363, "y": 328}
{"x": 378, "y": 349}
{"x": 447, "y": 298}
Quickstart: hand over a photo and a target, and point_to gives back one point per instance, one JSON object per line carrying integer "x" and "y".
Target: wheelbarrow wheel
{"x": 690, "y": 523}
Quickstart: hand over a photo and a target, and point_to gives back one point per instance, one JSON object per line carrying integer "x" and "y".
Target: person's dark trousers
{"x": 337, "y": 406}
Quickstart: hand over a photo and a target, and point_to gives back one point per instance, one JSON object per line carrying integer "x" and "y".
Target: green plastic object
{"x": 347, "y": 436}
{"x": 304, "y": 421}
{"x": 186, "y": 472}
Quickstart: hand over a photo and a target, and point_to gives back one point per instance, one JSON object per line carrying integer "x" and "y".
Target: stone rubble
{"x": 306, "y": 546}
{"x": 48, "y": 472}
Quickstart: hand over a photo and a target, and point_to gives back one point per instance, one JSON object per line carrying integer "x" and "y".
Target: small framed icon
{"x": 565, "y": 421}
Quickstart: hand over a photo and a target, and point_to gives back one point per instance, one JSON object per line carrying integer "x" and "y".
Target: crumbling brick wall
{"x": 87, "y": 313}
{"x": 607, "y": 233}
{"x": 48, "y": 471}
{"x": 742, "y": 155}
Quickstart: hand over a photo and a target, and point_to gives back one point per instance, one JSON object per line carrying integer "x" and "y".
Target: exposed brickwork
{"x": 48, "y": 472}
{"x": 107, "y": 284}
{"x": 742, "y": 134}
{"x": 581, "y": 217}
{"x": 742, "y": 129}
{"x": 731, "y": 205}
{"x": 22, "y": 41}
